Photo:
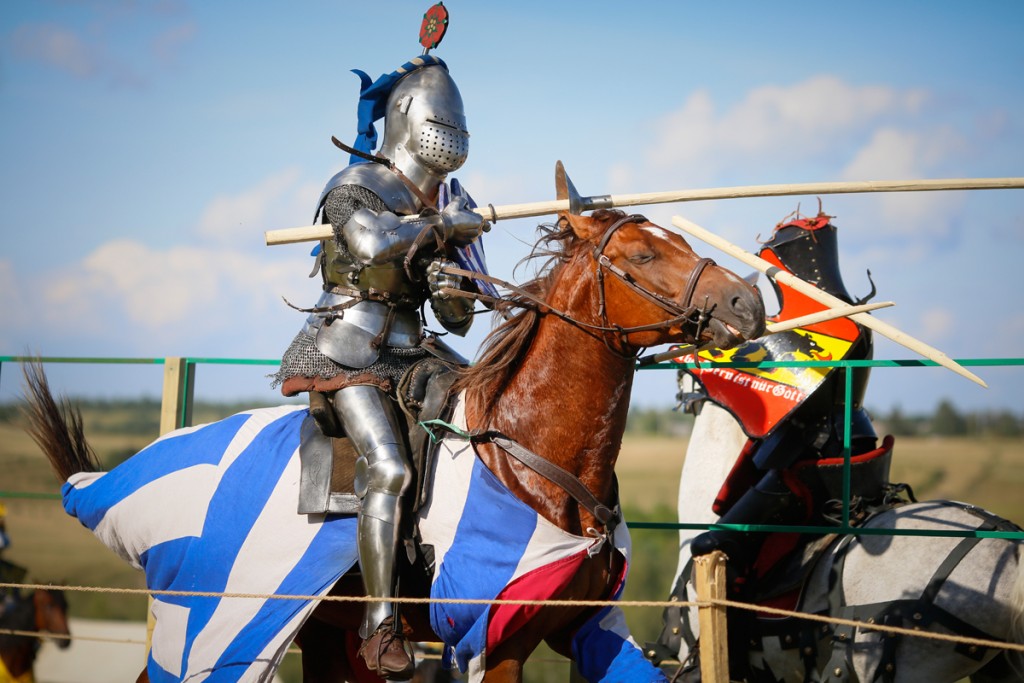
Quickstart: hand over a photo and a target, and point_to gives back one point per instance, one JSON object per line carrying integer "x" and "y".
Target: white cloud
{"x": 173, "y": 294}
{"x": 782, "y": 124}
{"x": 821, "y": 129}
{"x": 58, "y": 47}
{"x": 897, "y": 154}
{"x": 275, "y": 202}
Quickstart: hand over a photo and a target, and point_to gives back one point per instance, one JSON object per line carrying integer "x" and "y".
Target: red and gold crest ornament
{"x": 435, "y": 23}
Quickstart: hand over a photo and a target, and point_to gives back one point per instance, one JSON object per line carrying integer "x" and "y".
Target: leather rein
{"x": 682, "y": 313}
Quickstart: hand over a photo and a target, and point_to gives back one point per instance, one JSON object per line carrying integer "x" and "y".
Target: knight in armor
{"x": 391, "y": 242}
{"x": 814, "y": 430}
{"x": 9, "y": 572}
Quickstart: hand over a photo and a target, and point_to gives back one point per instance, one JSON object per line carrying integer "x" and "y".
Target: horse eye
{"x": 641, "y": 259}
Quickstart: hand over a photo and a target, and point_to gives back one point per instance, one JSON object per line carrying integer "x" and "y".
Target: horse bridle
{"x": 685, "y": 312}
{"x": 682, "y": 312}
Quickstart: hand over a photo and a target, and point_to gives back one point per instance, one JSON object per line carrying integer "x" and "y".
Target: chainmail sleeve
{"x": 343, "y": 201}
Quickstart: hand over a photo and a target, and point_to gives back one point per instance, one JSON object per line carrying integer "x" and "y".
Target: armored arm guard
{"x": 378, "y": 238}
{"x": 454, "y": 312}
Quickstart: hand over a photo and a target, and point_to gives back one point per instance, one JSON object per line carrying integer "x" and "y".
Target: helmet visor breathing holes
{"x": 442, "y": 146}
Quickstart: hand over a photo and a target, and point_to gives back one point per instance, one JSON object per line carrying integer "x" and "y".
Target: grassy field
{"x": 56, "y": 548}
{"x": 987, "y": 472}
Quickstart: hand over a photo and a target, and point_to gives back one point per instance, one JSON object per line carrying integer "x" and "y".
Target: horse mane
{"x": 506, "y": 344}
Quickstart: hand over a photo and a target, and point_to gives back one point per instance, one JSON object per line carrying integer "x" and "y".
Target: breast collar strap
{"x": 607, "y": 517}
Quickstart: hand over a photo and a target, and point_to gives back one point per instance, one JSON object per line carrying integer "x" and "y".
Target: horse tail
{"x": 56, "y": 427}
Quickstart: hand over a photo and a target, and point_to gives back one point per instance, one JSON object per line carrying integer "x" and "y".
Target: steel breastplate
{"x": 348, "y": 336}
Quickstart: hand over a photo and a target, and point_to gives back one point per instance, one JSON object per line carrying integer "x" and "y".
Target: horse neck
{"x": 569, "y": 397}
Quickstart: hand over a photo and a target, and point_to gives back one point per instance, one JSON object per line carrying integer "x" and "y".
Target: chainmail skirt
{"x": 305, "y": 368}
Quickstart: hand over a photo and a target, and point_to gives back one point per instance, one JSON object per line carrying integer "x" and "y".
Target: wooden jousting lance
{"x": 576, "y": 204}
{"x": 570, "y": 200}
{"x": 785, "y": 278}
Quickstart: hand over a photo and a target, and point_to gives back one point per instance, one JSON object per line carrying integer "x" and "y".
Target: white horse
{"x": 952, "y": 585}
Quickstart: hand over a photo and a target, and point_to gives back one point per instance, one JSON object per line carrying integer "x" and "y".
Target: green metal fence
{"x": 184, "y": 397}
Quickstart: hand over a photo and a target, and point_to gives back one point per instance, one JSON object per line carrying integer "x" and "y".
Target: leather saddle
{"x": 326, "y": 483}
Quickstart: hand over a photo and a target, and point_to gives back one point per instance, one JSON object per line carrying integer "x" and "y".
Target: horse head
{"x": 51, "y": 610}
{"x": 654, "y": 289}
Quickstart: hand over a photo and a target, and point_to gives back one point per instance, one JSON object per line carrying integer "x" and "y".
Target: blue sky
{"x": 148, "y": 145}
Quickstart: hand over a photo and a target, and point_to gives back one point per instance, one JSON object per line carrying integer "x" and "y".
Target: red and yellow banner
{"x": 760, "y": 398}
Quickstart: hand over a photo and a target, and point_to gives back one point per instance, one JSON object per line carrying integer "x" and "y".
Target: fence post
{"x": 175, "y": 412}
{"x": 714, "y": 649}
{"x": 179, "y": 387}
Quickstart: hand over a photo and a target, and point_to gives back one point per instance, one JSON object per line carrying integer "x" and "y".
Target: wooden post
{"x": 714, "y": 648}
{"x": 175, "y": 412}
{"x": 176, "y": 406}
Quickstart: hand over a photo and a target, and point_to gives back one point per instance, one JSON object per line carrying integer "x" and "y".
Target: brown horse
{"x": 42, "y": 611}
{"x": 556, "y": 379}
{"x": 546, "y": 406}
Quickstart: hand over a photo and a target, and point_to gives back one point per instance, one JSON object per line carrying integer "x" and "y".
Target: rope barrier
{"x": 866, "y": 626}
{"x": 41, "y": 635}
{"x": 863, "y": 625}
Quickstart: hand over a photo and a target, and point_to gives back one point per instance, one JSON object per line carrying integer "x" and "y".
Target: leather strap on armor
{"x": 362, "y": 155}
{"x": 388, "y": 164}
{"x": 371, "y": 294}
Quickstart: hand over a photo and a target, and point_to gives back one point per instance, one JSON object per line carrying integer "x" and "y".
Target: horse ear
{"x": 584, "y": 227}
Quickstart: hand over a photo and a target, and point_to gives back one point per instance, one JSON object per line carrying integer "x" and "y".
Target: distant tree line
{"x": 142, "y": 416}
{"x": 133, "y": 416}
{"x": 945, "y": 420}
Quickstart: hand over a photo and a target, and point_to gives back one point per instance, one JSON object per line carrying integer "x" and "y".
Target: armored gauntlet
{"x": 454, "y": 312}
{"x": 461, "y": 225}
